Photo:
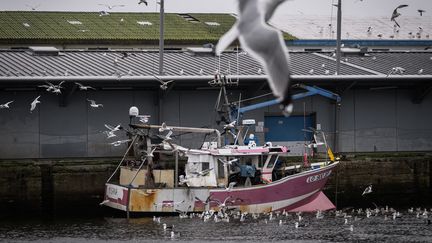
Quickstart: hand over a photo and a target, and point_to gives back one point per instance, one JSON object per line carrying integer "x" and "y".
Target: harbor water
{"x": 354, "y": 226}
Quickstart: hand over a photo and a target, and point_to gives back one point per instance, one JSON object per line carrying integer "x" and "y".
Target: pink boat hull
{"x": 299, "y": 192}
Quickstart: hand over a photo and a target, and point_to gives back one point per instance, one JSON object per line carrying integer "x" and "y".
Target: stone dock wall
{"x": 78, "y": 185}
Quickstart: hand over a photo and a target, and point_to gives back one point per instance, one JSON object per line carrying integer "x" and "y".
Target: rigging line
{"x": 252, "y": 98}
{"x": 331, "y": 19}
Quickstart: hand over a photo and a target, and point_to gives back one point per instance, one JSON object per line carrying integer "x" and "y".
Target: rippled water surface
{"x": 407, "y": 228}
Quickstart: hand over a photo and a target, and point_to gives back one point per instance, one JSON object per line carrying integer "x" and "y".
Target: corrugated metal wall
{"x": 369, "y": 120}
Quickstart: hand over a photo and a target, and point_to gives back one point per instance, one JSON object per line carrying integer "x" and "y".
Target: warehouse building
{"x": 385, "y": 93}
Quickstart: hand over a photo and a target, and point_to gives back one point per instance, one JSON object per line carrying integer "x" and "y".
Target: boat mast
{"x": 338, "y": 36}
{"x": 161, "y": 36}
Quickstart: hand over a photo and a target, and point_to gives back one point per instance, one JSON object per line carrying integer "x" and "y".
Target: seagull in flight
{"x": 144, "y": 118}
{"x": 203, "y": 172}
{"x": 421, "y": 11}
{"x": 52, "y": 87}
{"x": 83, "y": 87}
{"x": 6, "y": 105}
{"x": 143, "y": 1}
{"x": 120, "y": 142}
{"x": 229, "y": 162}
{"x": 110, "y": 134}
{"x": 164, "y": 84}
{"x": 230, "y": 125}
{"x": 93, "y": 104}
{"x": 33, "y": 7}
{"x": 367, "y": 190}
{"x": 34, "y": 103}
{"x": 113, "y": 129}
{"x": 396, "y": 14}
{"x": 264, "y": 43}
{"x": 110, "y": 7}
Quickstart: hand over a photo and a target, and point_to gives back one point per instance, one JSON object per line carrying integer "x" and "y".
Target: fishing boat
{"x": 158, "y": 175}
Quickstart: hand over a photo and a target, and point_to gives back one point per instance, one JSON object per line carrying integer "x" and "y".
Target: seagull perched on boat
{"x": 264, "y": 43}
{"x": 6, "y": 105}
{"x": 367, "y": 190}
{"x": 83, "y": 87}
{"x": 34, "y": 103}
{"x": 120, "y": 142}
{"x": 164, "y": 84}
{"x": 396, "y": 14}
{"x": 164, "y": 127}
{"x": 93, "y": 104}
{"x": 167, "y": 137}
{"x": 230, "y": 186}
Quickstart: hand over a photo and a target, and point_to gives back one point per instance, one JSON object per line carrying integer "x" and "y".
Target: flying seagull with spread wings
{"x": 264, "y": 43}
{"x": 34, "y": 103}
{"x": 396, "y": 14}
{"x": 6, "y": 105}
{"x": 164, "y": 84}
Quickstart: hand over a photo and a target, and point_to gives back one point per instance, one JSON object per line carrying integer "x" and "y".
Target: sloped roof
{"x": 59, "y": 28}
{"x": 324, "y": 27}
{"x": 16, "y": 66}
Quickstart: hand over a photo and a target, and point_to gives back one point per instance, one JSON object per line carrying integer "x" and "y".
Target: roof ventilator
{"x": 348, "y": 51}
{"x": 201, "y": 51}
{"x": 44, "y": 51}
{"x": 189, "y": 18}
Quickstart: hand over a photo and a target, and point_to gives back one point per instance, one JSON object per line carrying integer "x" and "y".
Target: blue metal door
{"x": 280, "y": 128}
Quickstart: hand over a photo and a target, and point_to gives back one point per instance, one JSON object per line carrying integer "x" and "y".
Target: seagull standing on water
{"x": 34, "y": 103}
{"x": 396, "y": 14}
{"x": 6, "y": 105}
{"x": 264, "y": 43}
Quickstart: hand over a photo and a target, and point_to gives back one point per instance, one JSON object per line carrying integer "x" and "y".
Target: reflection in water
{"x": 409, "y": 227}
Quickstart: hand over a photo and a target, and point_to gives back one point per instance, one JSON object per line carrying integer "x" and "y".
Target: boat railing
{"x": 181, "y": 129}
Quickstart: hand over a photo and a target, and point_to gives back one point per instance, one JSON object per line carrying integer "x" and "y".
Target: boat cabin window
{"x": 220, "y": 170}
{"x": 252, "y": 160}
{"x": 205, "y": 165}
{"x": 262, "y": 160}
{"x": 272, "y": 161}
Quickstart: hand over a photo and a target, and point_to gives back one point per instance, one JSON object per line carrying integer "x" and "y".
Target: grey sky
{"x": 297, "y": 7}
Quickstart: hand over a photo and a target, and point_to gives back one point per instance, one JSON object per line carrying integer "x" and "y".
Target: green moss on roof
{"x": 116, "y": 28}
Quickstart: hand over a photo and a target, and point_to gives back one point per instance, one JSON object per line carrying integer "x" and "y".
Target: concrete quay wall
{"x": 78, "y": 185}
